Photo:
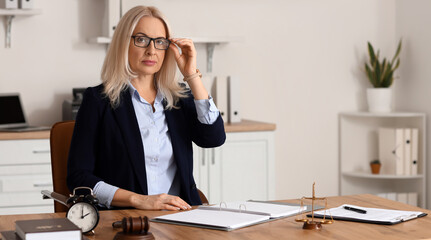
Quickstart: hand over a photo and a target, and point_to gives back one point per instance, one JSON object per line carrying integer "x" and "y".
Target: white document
{"x": 220, "y": 96}
{"x": 214, "y": 218}
{"x": 274, "y": 210}
{"x": 372, "y": 215}
{"x": 415, "y": 150}
{"x": 232, "y": 215}
{"x": 407, "y": 151}
{"x": 234, "y": 98}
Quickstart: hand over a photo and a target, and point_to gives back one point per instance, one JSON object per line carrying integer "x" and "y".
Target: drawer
{"x": 25, "y": 183}
{"x": 22, "y": 199}
{"x": 18, "y": 152}
{"x": 43, "y": 168}
{"x": 49, "y": 208}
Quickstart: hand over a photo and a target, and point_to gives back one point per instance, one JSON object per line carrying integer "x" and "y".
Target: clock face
{"x": 84, "y": 215}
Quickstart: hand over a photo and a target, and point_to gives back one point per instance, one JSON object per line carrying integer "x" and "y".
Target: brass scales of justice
{"x": 312, "y": 223}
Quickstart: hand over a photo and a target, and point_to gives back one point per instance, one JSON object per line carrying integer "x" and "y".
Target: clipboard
{"x": 373, "y": 215}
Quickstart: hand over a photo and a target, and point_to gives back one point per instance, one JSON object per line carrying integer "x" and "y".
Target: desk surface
{"x": 285, "y": 228}
{"x": 243, "y": 126}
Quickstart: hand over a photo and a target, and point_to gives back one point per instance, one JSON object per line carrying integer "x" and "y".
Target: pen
{"x": 355, "y": 209}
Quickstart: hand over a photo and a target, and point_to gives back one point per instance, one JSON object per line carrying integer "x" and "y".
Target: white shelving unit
{"x": 358, "y": 145}
{"x": 210, "y": 43}
{"x": 10, "y": 15}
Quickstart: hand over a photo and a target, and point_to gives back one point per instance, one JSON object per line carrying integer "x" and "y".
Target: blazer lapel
{"x": 126, "y": 118}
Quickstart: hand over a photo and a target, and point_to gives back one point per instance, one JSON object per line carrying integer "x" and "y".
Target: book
{"x": 231, "y": 216}
{"x": 371, "y": 215}
{"x": 46, "y": 229}
{"x": 11, "y": 235}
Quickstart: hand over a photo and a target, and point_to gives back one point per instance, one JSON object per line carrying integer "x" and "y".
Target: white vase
{"x": 379, "y": 100}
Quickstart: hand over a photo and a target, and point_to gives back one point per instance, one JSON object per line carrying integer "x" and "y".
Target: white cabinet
{"x": 358, "y": 145}
{"x": 241, "y": 169}
{"x": 25, "y": 170}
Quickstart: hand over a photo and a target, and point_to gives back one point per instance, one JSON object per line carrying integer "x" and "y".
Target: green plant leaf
{"x": 371, "y": 54}
{"x": 370, "y": 75}
{"x": 378, "y": 73}
{"x": 397, "y": 52}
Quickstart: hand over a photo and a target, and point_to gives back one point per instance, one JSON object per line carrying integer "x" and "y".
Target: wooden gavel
{"x": 133, "y": 228}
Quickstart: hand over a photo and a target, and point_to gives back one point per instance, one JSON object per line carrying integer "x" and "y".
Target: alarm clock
{"x": 83, "y": 210}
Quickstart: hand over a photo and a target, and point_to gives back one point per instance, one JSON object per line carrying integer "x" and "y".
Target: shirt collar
{"x": 135, "y": 94}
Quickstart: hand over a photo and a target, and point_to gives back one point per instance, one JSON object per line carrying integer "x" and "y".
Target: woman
{"x": 132, "y": 141}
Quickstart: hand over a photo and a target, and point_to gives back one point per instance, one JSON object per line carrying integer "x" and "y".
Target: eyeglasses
{"x": 159, "y": 43}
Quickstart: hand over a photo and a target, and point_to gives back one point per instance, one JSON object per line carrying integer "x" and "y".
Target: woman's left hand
{"x": 186, "y": 61}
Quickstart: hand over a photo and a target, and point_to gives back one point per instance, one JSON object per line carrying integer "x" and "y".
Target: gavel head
{"x": 137, "y": 225}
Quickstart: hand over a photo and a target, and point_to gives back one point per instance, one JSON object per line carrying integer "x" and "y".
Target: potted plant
{"x": 375, "y": 166}
{"x": 381, "y": 76}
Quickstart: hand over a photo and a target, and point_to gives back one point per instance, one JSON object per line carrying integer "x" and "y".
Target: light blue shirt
{"x": 159, "y": 159}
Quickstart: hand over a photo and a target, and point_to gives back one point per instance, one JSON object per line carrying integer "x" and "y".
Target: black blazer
{"x": 106, "y": 144}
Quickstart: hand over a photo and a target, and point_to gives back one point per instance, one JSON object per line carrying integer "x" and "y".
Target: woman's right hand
{"x": 158, "y": 202}
{"x": 125, "y": 198}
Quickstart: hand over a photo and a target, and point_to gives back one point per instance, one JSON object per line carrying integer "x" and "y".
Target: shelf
{"x": 390, "y": 114}
{"x": 381, "y": 176}
{"x": 10, "y": 14}
{"x": 20, "y": 12}
{"x": 209, "y": 41}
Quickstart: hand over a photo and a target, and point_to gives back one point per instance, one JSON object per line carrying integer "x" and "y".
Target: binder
{"x": 412, "y": 198}
{"x": 407, "y": 151}
{"x": 220, "y": 96}
{"x": 234, "y": 98}
{"x": 372, "y": 215}
{"x": 415, "y": 151}
{"x": 402, "y": 197}
{"x": 242, "y": 214}
{"x": 391, "y": 150}
{"x": 26, "y": 4}
{"x": 9, "y": 4}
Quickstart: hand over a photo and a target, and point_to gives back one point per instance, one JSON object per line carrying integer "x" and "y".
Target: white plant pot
{"x": 379, "y": 100}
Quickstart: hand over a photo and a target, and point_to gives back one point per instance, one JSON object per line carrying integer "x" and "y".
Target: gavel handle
{"x": 56, "y": 196}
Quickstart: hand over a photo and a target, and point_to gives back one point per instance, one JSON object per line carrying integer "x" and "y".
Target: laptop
{"x": 12, "y": 117}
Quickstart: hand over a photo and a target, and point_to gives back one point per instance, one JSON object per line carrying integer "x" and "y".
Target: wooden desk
{"x": 285, "y": 228}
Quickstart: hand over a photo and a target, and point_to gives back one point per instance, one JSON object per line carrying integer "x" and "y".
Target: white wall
{"x": 300, "y": 64}
{"x": 412, "y": 90}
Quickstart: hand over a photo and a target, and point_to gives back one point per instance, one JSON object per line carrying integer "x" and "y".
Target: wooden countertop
{"x": 24, "y": 135}
{"x": 249, "y": 126}
{"x": 243, "y": 126}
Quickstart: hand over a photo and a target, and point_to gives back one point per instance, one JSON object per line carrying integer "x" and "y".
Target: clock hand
{"x": 82, "y": 212}
{"x": 85, "y": 215}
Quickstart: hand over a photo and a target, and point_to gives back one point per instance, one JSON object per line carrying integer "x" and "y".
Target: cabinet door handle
{"x": 42, "y": 184}
{"x": 41, "y": 151}
{"x": 212, "y": 157}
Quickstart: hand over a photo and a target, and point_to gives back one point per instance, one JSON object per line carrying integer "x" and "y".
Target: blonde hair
{"x": 116, "y": 71}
